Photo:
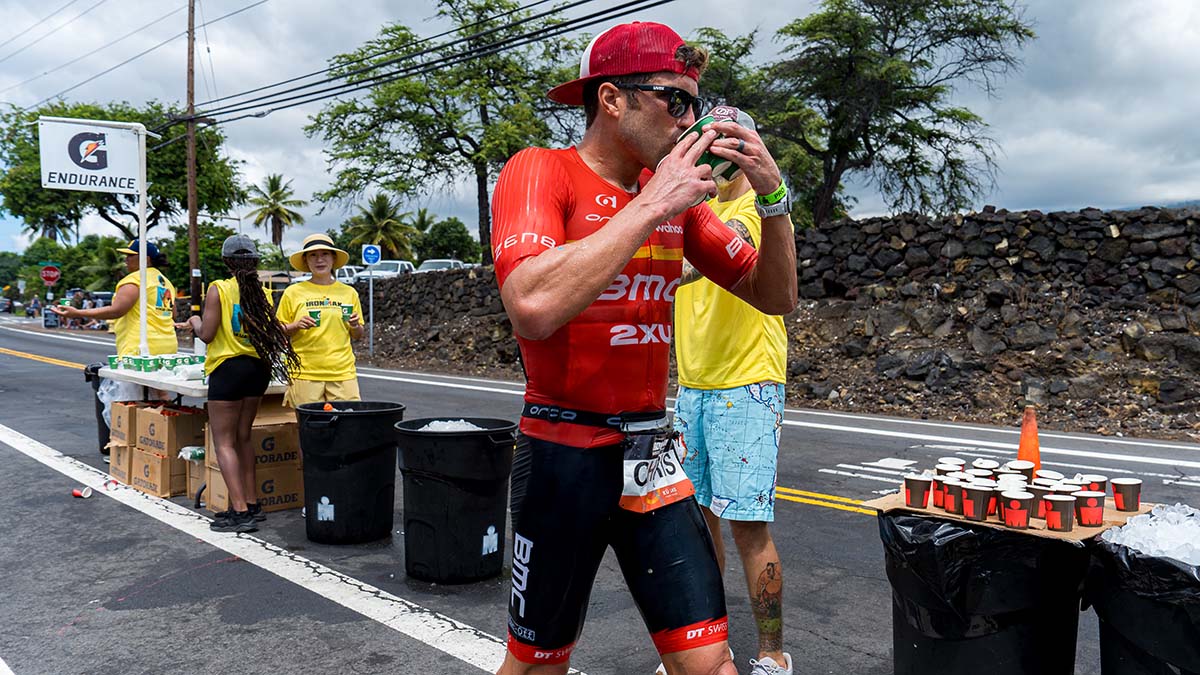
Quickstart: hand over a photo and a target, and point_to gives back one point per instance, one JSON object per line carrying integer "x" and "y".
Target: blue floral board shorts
{"x": 732, "y": 447}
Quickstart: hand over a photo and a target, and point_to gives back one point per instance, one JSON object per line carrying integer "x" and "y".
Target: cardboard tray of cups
{"x": 1037, "y": 526}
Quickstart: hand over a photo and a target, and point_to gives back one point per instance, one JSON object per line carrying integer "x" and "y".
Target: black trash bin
{"x": 91, "y": 375}
{"x": 1149, "y": 610}
{"x": 979, "y": 600}
{"x": 349, "y": 469}
{"x": 455, "y": 498}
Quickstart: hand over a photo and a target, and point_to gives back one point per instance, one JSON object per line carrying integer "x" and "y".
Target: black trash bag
{"x": 979, "y": 600}
{"x": 1149, "y": 609}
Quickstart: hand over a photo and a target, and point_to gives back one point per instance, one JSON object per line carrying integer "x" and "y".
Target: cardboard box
{"x": 123, "y": 429}
{"x": 196, "y": 475}
{"x": 274, "y": 445}
{"x": 158, "y": 475}
{"x": 120, "y": 460}
{"x": 280, "y": 487}
{"x": 166, "y": 429}
{"x": 271, "y": 410}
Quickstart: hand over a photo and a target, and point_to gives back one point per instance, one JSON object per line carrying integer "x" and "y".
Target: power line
{"x": 54, "y": 30}
{"x": 100, "y": 48}
{"x": 38, "y": 23}
{"x": 528, "y": 38}
{"x": 368, "y": 57}
{"x": 139, "y": 55}
{"x": 208, "y": 49}
{"x": 565, "y": 26}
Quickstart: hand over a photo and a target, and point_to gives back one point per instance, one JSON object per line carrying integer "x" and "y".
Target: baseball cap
{"x": 239, "y": 246}
{"x": 135, "y": 248}
{"x": 625, "y": 49}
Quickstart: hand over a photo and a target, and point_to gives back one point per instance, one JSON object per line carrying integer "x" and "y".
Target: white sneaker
{"x": 662, "y": 670}
{"x": 767, "y": 666}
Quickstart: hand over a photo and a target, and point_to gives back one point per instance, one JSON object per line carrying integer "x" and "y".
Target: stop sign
{"x": 50, "y": 274}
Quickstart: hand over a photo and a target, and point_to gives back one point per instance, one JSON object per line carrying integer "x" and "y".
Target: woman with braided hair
{"x": 246, "y": 346}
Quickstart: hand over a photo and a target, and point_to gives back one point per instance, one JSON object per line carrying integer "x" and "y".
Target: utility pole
{"x": 192, "y": 206}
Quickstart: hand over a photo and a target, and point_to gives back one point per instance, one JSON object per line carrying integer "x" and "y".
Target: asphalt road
{"x": 122, "y": 583}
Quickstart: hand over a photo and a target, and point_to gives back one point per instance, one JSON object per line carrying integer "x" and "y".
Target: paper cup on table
{"x": 976, "y": 499}
{"x": 1089, "y": 508}
{"x": 1048, "y": 474}
{"x": 1018, "y": 508}
{"x": 1127, "y": 493}
{"x": 979, "y": 473}
{"x": 952, "y": 501}
{"x": 939, "y": 492}
{"x": 1005, "y": 471}
{"x": 994, "y": 486}
{"x": 982, "y": 463}
{"x": 1095, "y": 482}
{"x": 1024, "y": 466}
{"x": 1060, "y": 513}
{"x": 962, "y": 476}
{"x": 946, "y": 469}
{"x": 1044, "y": 482}
{"x": 957, "y": 461}
{"x": 1039, "y": 504}
{"x": 916, "y": 490}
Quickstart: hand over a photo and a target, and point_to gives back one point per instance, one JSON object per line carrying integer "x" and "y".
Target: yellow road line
{"x": 43, "y": 359}
{"x": 828, "y": 505}
{"x": 816, "y": 495}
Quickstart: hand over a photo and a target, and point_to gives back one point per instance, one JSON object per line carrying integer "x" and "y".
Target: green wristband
{"x": 773, "y": 198}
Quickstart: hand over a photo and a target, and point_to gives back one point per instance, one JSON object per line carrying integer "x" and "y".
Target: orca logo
{"x": 606, "y": 200}
{"x": 87, "y": 151}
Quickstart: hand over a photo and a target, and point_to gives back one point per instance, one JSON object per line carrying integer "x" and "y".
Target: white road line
{"x": 436, "y": 630}
{"x": 855, "y": 467}
{"x": 1006, "y": 446}
{"x": 450, "y": 385}
{"x": 4, "y": 669}
{"x": 69, "y": 338}
{"x": 1180, "y": 482}
{"x": 857, "y": 475}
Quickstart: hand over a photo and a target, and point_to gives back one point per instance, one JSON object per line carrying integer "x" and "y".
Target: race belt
{"x": 616, "y": 421}
{"x": 653, "y": 472}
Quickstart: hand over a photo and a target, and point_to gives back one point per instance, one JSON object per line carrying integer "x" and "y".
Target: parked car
{"x": 383, "y": 270}
{"x": 434, "y": 264}
{"x": 104, "y": 297}
{"x": 344, "y": 274}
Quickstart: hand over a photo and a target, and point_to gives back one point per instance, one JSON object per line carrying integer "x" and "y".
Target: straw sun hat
{"x": 317, "y": 242}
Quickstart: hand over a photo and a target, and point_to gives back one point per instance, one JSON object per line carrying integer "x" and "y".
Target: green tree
{"x": 448, "y": 238}
{"x": 422, "y": 220}
{"x": 381, "y": 222}
{"x": 422, "y": 132}
{"x": 10, "y": 270}
{"x": 879, "y": 75}
{"x": 54, "y": 213}
{"x": 343, "y": 239}
{"x": 102, "y": 266}
{"x": 275, "y": 201}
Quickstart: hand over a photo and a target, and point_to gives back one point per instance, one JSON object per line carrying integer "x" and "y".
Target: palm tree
{"x": 423, "y": 221}
{"x": 381, "y": 222}
{"x": 274, "y": 201}
{"x": 105, "y": 269}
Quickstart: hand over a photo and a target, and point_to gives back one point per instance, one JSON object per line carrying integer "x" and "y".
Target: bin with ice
{"x": 1167, "y": 531}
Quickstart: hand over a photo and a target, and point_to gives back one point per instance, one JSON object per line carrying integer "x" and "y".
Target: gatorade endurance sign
{"x": 76, "y": 156}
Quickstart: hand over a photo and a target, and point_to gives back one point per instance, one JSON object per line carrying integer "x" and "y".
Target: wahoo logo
{"x": 522, "y": 551}
{"x": 669, "y": 228}
{"x": 87, "y": 151}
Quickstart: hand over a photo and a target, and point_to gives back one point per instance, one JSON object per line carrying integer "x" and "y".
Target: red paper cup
{"x": 1024, "y": 466}
{"x": 1018, "y": 508}
{"x": 975, "y": 502}
{"x": 1039, "y": 500}
{"x": 952, "y": 501}
{"x": 979, "y": 473}
{"x": 957, "y": 461}
{"x": 1095, "y": 482}
{"x": 1089, "y": 508}
{"x": 1060, "y": 513}
{"x": 989, "y": 464}
{"x": 82, "y": 493}
{"x": 1047, "y": 473}
{"x": 939, "y": 492}
{"x": 916, "y": 491}
{"x": 946, "y": 469}
{"x": 1127, "y": 493}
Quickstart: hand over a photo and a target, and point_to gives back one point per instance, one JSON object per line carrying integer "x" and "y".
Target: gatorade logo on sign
{"x": 87, "y": 151}
{"x": 268, "y": 486}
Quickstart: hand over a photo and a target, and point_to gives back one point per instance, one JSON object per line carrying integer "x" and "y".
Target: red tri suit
{"x": 612, "y": 358}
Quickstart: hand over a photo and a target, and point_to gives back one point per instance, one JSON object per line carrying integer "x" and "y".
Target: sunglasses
{"x": 678, "y": 100}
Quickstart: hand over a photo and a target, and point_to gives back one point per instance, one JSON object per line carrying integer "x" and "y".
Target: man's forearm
{"x": 771, "y": 286}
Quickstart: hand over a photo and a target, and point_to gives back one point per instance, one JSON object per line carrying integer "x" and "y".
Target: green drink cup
{"x": 724, "y": 171}
{"x": 316, "y": 316}
{"x": 347, "y": 312}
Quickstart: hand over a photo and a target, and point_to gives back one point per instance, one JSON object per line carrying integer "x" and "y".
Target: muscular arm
{"x": 691, "y": 274}
{"x": 771, "y": 286}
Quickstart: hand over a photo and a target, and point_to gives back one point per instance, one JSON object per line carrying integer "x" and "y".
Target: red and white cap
{"x": 625, "y": 49}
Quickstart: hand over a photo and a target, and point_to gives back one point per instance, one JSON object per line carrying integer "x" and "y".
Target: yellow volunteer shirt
{"x": 160, "y": 319}
{"x": 721, "y": 342}
{"x": 325, "y": 352}
{"x": 230, "y": 340}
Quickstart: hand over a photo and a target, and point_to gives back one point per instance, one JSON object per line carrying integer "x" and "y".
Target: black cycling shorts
{"x": 564, "y": 518}
{"x": 239, "y": 377}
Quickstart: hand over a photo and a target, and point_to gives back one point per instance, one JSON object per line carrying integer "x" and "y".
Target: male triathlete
{"x": 588, "y": 245}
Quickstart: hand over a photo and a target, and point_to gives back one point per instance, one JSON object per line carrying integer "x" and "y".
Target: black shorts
{"x": 565, "y": 516}
{"x": 239, "y": 377}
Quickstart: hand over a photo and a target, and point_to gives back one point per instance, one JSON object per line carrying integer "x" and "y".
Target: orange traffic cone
{"x": 1029, "y": 449}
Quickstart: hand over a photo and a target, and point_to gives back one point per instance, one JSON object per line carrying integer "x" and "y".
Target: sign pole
{"x": 143, "y": 343}
{"x": 371, "y": 305}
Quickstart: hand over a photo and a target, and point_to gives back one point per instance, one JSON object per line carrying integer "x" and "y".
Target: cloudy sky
{"x": 1102, "y": 113}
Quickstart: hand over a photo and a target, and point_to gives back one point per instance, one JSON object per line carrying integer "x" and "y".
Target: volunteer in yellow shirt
{"x": 246, "y": 347}
{"x": 125, "y": 311}
{"x": 321, "y": 315}
{"x": 732, "y": 362}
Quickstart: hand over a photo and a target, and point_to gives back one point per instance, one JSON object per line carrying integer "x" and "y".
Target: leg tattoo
{"x": 766, "y": 600}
